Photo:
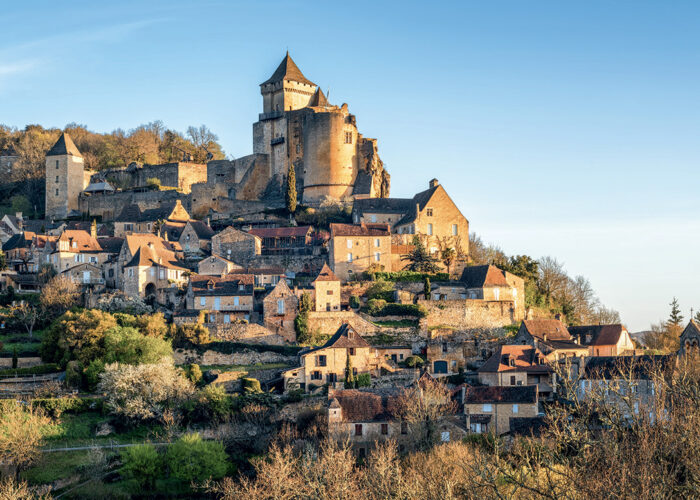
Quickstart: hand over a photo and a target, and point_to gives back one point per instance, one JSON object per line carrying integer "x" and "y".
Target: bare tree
{"x": 20, "y": 434}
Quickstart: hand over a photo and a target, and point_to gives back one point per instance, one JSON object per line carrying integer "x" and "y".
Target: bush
{"x": 363, "y": 380}
{"x": 34, "y": 370}
{"x": 414, "y": 361}
{"x": 127, "y": 345}
{"x": 355, "y": 301}
{"x": 376, "y": 306}
{"x": 410, "y": 276}
{"x": 55, "y": 407}
{"x": 143, "y": 464}
{"x": 232, "y": 347}
{"x": 191, "y": 334}
{"x": 191, "y": 459}
{"x": 251, "y": 385}
{"x": 381, "y": 289}
{"x": 92, "y": 373}
{"x": 194, "y": 373}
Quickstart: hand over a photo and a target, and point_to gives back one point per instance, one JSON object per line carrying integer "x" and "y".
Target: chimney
{"x": 93, "y": 229}
{"x": 433, "y": 183}
{"x": 544, "y": 337}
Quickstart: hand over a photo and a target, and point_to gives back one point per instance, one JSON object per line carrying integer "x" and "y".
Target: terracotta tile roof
{"x": 552, "y": 328}
{"x": 515, "y": 358}
{"x": 64, "y": 146}
{"x": 288, "y": 70}
{"x": 149, "y": 255}
{"x": 326, "y": 274}
{"x": 599, "y": 334}
{"x": 360, "y": 229}
{"x": 501, "y": 394}
{"x": 483, "y": 276}
{"x": 83, "y": 240}
{"x": 222, "y": 286}
{"x": 345, "y": 338}
{"x": 42, "y": 240}
{"x": 134, "y": 241}
{"x": 364, "y": 406}
{"x": 281, "y": 232}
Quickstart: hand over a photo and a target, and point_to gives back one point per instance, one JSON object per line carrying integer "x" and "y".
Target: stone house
{"x": 86, "y": 276}
{"x": 75, "y": 247}
{"x": 280, "y": 308}
{"x": 326, "y": 364}
{"x": 266, "y": 277}
{"x": 18, "y": 252}
{"x": 519, "y": 365}
{"x": 354, "y": 248}
{"x": 235, "y": 245}
{"x": 327, "y": 295}
{"x": 603, "y": 340}
{"x": 431, "y": 214}
{"x": 216, "y": 265}
{"x": 195, "y": 238}
{"x": 224, "y": 299}
{"x": 447, "y": 357}
{"x": 11, "y": 225}
{"x": 133, "y": 219}
{"x": 285, "y": 240}
{"x": 152, "y": 271}
{"x": 551, "y": 337}
{"x": 690, "y": 339}
{"x": 489, "y": 409}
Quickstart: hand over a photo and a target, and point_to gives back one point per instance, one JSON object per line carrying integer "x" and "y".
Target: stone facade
{"x": 280, "y": 308}
{"x": 326, "y": 322}
{"x": 353, "y": 249}
{"x": 236, "y": 245}
{"x": 216, "y": 265}
{"x": 65, "y": 178}
{"x": 469, "y": 314}
{"x": 326, "y": 291}
{"x": 177, "y": 175}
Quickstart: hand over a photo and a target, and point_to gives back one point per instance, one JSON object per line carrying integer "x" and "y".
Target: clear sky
{"x": 569, "y": 129}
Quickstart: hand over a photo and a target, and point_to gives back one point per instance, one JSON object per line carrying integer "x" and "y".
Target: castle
{"x": 298, "y": 127}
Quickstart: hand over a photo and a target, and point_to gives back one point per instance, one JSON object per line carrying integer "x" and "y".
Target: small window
{"x": 349, "y": 258}
{"x": 487, "y": 408}
{"x": 377, "y": 243}
{"x": 515, "y": 408}
{"x": 385, "y": 429}
{"x": 373, "y": 218}
{"x": 56, "y": 179}
{"x": 444, "y": 347}
{"x": 321, "y": 360}
{"x": 329, "y": 292}
{"x": 430, "y": 229}
{"x": 512, "y": 380}
{"x": 202, "y": 301}
{"x": 349, "y": 243}
{"x": 348, "y": 137}
{"x": 404, "y": 427}
{"x": 236, "y": 301}
{"x": 57, "y": 192}
{"x": 358, "y": 429}
{"x": 351, "y": 351}
{"x": 429, "y": 212}
{"x": 298, "y": 148}
{"x": 280, "y": 306}
{"x": 454, "y": 229}
{"x": 316, "y": 375}
{"x": 377, "y": 256}
{"x": 56, "y": 164}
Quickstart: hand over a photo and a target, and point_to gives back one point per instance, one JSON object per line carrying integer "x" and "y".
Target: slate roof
{"x": 364, "y": 406}
{"x": 419, "y": 201}
{"x": 20, "y": 240}
{"x": 384, "y": 205}
{"x": 500, "y": 394}
{"x": 552, "y": 328}
{"x": 693, "y": 329}
{"x": 344, "y": 338}
{"x": 526, "y": 358}
{"x": 319, "y": 98}
{"x": 483, "y": 276}
{"x": 616, "y": 367}
{"x": 201, "y": 229}
{"x": 360, "y": 229}
{"x": 228, "y": 285}
{"x": 99, "y": 186}
{"x": 281, "y": 232}
{"x": 529, "y": 426}
{"x": 600, "y": 334}
{"x": 326, "y": 274}
{"x": 64, "y": 146}
{"x": 111, "y": 244}
{"x": 363, "y": 184}
{"x": 288, "y": 70}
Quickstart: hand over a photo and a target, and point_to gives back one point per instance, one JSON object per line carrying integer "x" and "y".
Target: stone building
{"x": 195, "y": 238}
{"x": 75, "y": 247}
{"x": 216, "y": 265}
{"x": 326, "y": 290}
{"x": 146, "y": 273}
{"x": 224, "y": 299}
{"x": 491, "y": 408}
{"x": 603, "y": 340}
{"x": 176, "y": 175}
{"x": 280, "y": 308}
{"x": 551, "y": 337}
{"x": 690, "y": 339}
{"x": 66, "y": 178}
{"x": 519, "y": 365}
{"x": 236, "y": 245}
{"x": 352, "y": 249}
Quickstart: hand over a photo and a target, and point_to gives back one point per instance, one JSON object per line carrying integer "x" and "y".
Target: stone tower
{"x": 65, "y": 178}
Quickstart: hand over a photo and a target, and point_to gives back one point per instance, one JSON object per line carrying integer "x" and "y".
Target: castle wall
{"x": 468, "y": 314}
{"x": 110, "y": 205}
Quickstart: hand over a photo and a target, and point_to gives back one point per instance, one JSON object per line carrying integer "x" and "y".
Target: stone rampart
{"x": 327, "y": 322}
{"x": 468, "y": 314}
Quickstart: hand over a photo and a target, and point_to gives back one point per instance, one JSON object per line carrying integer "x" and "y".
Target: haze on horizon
{"x": 559, "y": 129}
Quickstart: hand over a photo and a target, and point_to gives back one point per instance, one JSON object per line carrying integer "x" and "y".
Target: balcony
{"x": 270, "y": 116}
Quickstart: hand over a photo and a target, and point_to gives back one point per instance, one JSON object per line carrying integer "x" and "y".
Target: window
{"x": 321, "y": 360}
{"x": 162, "y": 274}
{"x": 236, "y": 301}
{"x": 280, "y": 306}
{"x": 377, "y": 256}
{"x": 57, "y": 192}
{"x": 351, "y": 351}
{"x": 202, "y": 301}
{"x": 56, "y": 164}
{"x": 385, "y": 429}
{"x": 56, "y": 179}
{"x": 349, "y": 243}
{"x": 348, "y": 137}
{"x": 404, "y": 427}
{"x": 329, "y": 292}
{"x": 512, "y": 380}
{"x": 429, "y": 212}
{"x": 349, "y": 258}
{"x": 153, "y": 272}
{"x": 444, "y": 347}
{"x": 487, "y": 408}
{"x": 131, "y": 272}
{"x": 377, "y": 243}
{"x": 217, "y": 303}
{"x": 454, "y": 229}
{"x": 298, "y": 148}
{"x": 445, "y": 436}
{"x": 476, "y": 428}
{"x": 515, "y": 409}
{"x": 316, "y": 375}
{"x": 430, "y": 229}
{"x": 373, "y": 217}
{"x": 358, "y": 429}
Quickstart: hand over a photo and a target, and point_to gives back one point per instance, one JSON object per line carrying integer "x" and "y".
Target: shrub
{"x": 354, "y": 301}
{"x": 153, "y": 183}
{"x": 414, "y": 361}
{"x": 219, "y": 404}
{"x": 376, "y": 306}
{"x": 191, "y": 333}
{"x": 410, "y": 276}
{"x": 381, "y": 289}
{"x": 190, "y": 459}
{"x": 143, "y": 464}
{"x": 127, "y": 345}
{"x": 74, "y": 374}
{"x": 194, "y": 373}
{"x": 34, "y": 370}
{"x": 92, "y": 373}
{"x": 55, "y": 407}
{"x": 363, "y": 380}
{"x": 251, "y": 385}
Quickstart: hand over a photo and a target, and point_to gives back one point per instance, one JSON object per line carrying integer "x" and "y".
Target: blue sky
{"x": 569, "y": 129}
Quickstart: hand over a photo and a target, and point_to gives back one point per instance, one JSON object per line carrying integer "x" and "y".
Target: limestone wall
{"x": 329, "y": 322}
{"x": 469, "y": 314}
{"x": 110, "y": 205}
{"x": 251, "y": 333}
{"x": 244, "y": 357}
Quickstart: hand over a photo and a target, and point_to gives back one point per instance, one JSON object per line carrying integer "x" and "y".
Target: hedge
{"x": 225, "y": 347}
{"x": 34, "y": 370}
{"x": 57, "y": 406}
{"x": 251, "y": 385}
{"x": 409, "y": 276}
{"x": 414, "y": 310}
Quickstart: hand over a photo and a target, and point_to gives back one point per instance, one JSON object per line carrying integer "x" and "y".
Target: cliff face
{"x": 373, "y": 167}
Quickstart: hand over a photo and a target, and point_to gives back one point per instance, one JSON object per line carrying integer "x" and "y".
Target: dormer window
{"x": 210, "y": 285}
{"x": 75, "y": 245}
{"x": 429, "y": 212}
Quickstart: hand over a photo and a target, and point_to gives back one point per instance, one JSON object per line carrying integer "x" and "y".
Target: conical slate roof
{"x": 319, "y": 98}
{"x": 288, "y": 70}
{"x": 64, "y": 146}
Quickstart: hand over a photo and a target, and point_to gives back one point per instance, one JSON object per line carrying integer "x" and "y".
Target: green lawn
{"x": 79, "y": 430}
{"x": 54, "y": 466}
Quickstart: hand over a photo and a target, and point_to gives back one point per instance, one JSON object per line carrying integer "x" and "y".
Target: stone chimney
{"x": 433, "y": 183}
{"x": 20, "y": 221}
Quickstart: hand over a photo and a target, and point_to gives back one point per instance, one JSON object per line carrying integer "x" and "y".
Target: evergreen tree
{"x": 301, "y": 326}
{"x": 697, "y": 317}
{"x": 349, "y": 376}
{"x": 675, "y": 318}
{"x": 426, "y": 288}
{"x": 291, "y": 194}
{"x": 420, "y": 259}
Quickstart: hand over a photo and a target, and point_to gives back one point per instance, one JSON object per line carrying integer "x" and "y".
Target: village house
{"x": 326, "y": 290}
{"x": 224, "y": 299}
{"x": 280, "y": 308}
{"x": 603, "y": 340}
{"x": 172, "y": 217}
{"x": 216, "y": 265}
{"x": 11, "y": 225}
{"x": 266, "y": 277}
{"x": 489, "y": 409}
{"x": 551, "y": 337}
{"x": 354, "y": 248}
{"x": 327, "y": 364}
{"x": 235, "y": 245}
{"x": 690, "y": 339}
{"x": 75, "y": 247}
{"x": 519, "y": 365}
{"x": 18, "y": 254}
{"x": 296, "y": 240}
{"x": 431, "y": 214}
{"x": 195, "y": 238}
{"x": 86, "y": 276}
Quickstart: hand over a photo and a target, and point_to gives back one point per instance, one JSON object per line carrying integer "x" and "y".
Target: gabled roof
{"x": 360, "y": 229}
{"x": 64, "y": 146}
{"x": 599, "y": 334}
{"x": 553, "y": 329}
{"x": 345, "y": 338}
{"x": 364, "y": 406}
{"x": 288, "y": 70}
{"x": 149, "y": 255}
{"x": 84, "y": 242}
{"x": 523, "y": 357}
{"x": 501, "y": 394}
{"x": 483, "y": 276}
{"x": 281, "y": 232}
{"x": 201, "y": 229}
{"x": 318, "y": 99}
{"x": 326, "y": 274}
{"x": 693, "y": 329}
{"x": 111, "y": 244}
{"x": 99, "y": 186}
{"x": 20, "y": 240}
{"x": 383, "y": 205}
{"x": 220, "y": 286}
{"x": 619, "y": 367}
{"x": 135, "y": 241}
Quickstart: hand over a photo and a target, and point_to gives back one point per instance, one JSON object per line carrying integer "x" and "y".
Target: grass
{"x": 54, "y": 466}
{"x": 403, "y": 323}
{"x": 79, "y": 430}
{"x": 441, "y": 327}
